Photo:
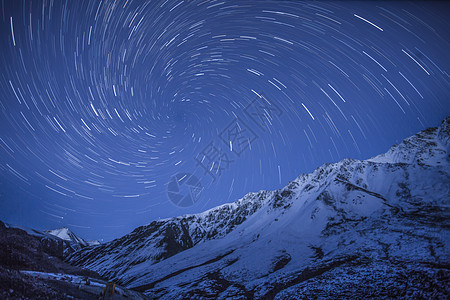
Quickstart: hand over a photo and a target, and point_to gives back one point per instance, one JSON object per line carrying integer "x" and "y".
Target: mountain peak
{"x": 66, "y": 234}
{"x": 429, "y": 147}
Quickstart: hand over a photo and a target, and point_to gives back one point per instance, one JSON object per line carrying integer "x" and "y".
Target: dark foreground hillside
{"x": 32, "y": 267}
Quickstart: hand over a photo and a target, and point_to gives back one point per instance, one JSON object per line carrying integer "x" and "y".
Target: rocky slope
{"x": 32, "y": 267}
{"x": 62, "y": 240}
{"x": 28, "y": 249}
{"x": 377, "y": 227}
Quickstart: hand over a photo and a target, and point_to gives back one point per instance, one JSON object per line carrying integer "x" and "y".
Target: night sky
{"x": 108, "y": 107}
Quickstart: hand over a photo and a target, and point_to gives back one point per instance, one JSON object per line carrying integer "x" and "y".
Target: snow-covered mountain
{"x": 66, "y": 234}
{"x": 377, "y": 227}
{"x": 75, "y": 241}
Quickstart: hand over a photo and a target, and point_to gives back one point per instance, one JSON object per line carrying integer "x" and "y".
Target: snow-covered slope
{"x": 378, "y": 227}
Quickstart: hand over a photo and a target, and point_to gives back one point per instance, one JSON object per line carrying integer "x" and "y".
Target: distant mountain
{"x": 67, "y": 235}
{"x": 352, "y": 229}
{"x": 93, "y": 243}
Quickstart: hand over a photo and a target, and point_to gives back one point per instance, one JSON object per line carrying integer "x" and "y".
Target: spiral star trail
{"x": 103, "y": 102}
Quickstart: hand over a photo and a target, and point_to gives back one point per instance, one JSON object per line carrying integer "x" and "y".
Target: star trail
{"x": 103, "y": 103}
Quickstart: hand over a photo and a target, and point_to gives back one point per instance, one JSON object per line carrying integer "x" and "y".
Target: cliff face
{"x": 354, "y": 228}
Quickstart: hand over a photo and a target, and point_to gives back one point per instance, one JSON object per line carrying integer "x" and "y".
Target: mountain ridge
{"x": 320, "y": 223}
{"x": 69, "y": 236}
